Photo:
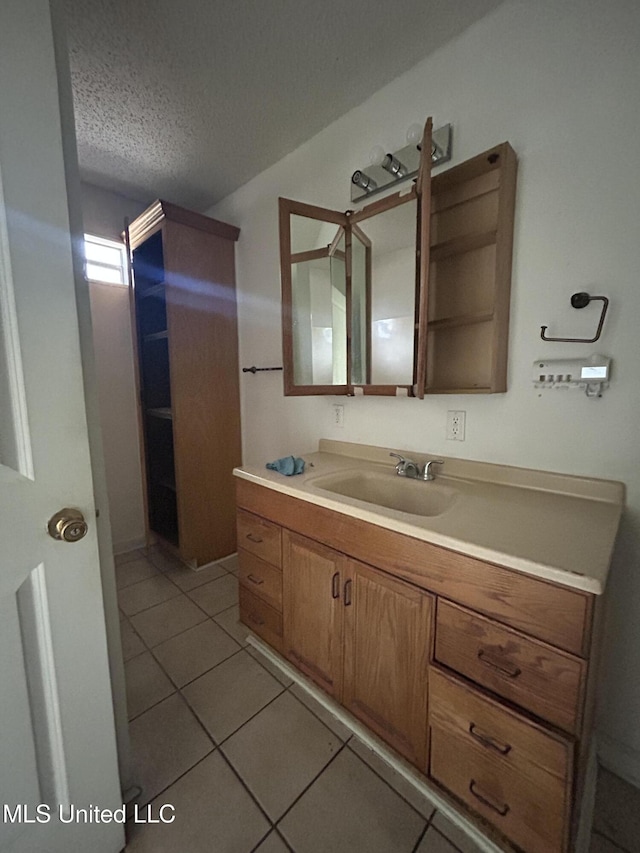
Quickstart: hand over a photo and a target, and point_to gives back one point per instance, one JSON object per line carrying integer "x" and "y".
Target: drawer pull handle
{"x": 509, "y": 671}
{"x": 347, "y": 593}
{"x": 257, "y": 620}
{"x": 253, "y": 538}
{"x": 501, "y": 810}
{"x": 335, "y": 585}
{"x": 255, "y": 580}
{"x": 488, "y": 741}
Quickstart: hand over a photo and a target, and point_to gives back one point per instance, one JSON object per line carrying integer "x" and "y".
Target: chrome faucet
{"x": 408, "y": 468}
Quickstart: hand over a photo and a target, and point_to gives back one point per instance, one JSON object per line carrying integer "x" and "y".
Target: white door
{"x": 57, "y": 742}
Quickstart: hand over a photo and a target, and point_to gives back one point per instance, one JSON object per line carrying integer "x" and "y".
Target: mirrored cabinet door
{"x": 384, "y": 293}
{"x": 313, "y": 250}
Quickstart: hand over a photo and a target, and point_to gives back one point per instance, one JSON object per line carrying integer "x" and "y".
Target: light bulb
{"x": 414, "y": 135}
{"x": 377, "y": 155}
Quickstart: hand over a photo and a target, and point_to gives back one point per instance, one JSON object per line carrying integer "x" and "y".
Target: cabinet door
{"x": 388, "y": 629}
{"x": 312, "y": 577}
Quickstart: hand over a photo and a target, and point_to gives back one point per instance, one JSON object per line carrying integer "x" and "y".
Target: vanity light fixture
{"x": 392, "y": 165}
{"x": 364, "y": 182}
{"x": 387, "y": 169}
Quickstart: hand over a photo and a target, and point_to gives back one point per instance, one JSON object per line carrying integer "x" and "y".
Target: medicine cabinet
{"x": 409, "y": 295}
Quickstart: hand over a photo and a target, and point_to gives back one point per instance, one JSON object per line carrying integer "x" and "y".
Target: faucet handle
{"x": 401, "y": 462}
{"x": 426, "y": 471}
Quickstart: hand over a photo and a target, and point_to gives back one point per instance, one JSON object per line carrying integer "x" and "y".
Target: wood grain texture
{"x": 504, "y": 256}
{"x": 388, "y": 628}
{"x": 203, "y": 356}
{"x": 423, "y": 236}
{"x": 472, "y": 208}
{"x": 260, "y": 537}
{"x": 531, "y": 674}
{"x": 555, "y": 614}
{"x": 260, "y": 578}
{"x": 152, "y": 218}
{"x": 312, "y": 616}
{"x": 506, "y": 769}
{"x": 261, "y": 618}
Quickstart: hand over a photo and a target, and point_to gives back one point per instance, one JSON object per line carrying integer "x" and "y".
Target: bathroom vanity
{"x": 457, "y": 618}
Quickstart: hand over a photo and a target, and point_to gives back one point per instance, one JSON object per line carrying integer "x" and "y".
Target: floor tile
{"x": 217, "y": 595}
{"x": 213, "y": 812}
{"x": 321, "y": 712}
{"x": 146, "y": 684}
{"x": 231, "y": 564}
{"x": 279, "y": 752}
{"x": 195, "y": 651}
{"x": 272, "y": 844}
{"x": 166, "y": 741}
{"x": 167, "y": 619}
{"x": 132, "y": 645}
{"x": 275, "y": 671}
{"x": 376, "y": 820}
{"x": 433, "y": 842}
{"x": 230, "y": 620}
{"x": 121, "y": 559}
{"x": 600, "y": 844}
{"x": 144, "y": 594}
{"x": 229, "y": 695}
{"x": 457, "y": 837}
{"x": 187, "y": 578}
{"x": 134, "y": 571}
{"x": 617, "y": 810}
{"x": 397, "y": 781}
{"x": 164, "y": 561}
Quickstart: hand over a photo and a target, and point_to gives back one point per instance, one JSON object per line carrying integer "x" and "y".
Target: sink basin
{"x": 380, "y": 488}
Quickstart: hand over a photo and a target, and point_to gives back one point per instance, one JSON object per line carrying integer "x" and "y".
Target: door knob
{"x": 68, "y": 525}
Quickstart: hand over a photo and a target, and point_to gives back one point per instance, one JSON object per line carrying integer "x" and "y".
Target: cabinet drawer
{"x": 261, "y": 578}
{"x": 510, "y": 771}
{"x": 261, "y": 618}
{"x": 543, "y": 680}
{"x": 262, "y": 538}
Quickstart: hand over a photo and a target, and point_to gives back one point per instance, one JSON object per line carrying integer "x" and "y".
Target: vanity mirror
{"x": 350, "y": 294}
{"x": 409, "y": 295}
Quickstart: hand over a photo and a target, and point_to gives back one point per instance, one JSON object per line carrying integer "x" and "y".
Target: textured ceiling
{"x": 189, "y": 99}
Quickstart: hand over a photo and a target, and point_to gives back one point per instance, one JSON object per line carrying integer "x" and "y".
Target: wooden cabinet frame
{"x": 184, "y": 326}
{"x": 464, "y": 245}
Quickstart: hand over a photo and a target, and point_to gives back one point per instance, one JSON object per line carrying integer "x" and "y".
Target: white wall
{"x": 561, "y": 82}
{"x": 103, "y": 214}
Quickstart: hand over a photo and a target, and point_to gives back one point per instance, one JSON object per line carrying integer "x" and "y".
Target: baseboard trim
{"x": 129, "y": 545}
{"x": 214, "y": 562}
{"x": 432, "y": 794}
{"x": 620, "y": 759}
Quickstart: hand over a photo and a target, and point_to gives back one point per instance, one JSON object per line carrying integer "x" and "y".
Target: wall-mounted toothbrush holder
{"x": 581, "y": 300}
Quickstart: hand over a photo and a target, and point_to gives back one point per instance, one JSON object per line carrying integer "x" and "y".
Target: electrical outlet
{"x": 338, "y": 415}
{"x": 456, "y": 425}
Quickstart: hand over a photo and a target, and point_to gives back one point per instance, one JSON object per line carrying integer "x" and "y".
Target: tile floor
{"x": 251, "y": 762}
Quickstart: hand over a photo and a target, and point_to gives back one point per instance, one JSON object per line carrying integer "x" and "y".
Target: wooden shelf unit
{"x": 185, "y": 328}
{"x": 472, "y": 210}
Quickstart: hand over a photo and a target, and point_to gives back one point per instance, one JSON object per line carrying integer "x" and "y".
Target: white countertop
{"x": 553, "y": 526}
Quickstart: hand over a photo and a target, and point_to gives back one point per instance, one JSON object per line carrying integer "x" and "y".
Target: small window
{"x": 105, "y": 260}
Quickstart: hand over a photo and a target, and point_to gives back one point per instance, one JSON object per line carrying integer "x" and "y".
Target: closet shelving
{"x": 184, "y": 317}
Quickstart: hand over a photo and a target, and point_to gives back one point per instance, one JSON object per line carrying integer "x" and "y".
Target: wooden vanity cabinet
{"x": 186, "y": 345}
{"x": 361, "y": 636}
{"x": 481, "y": 676}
